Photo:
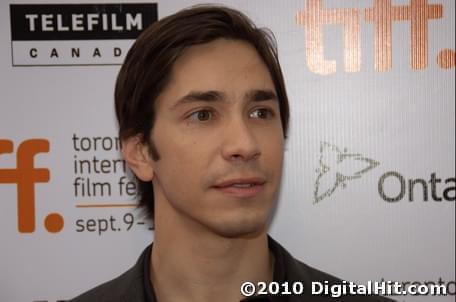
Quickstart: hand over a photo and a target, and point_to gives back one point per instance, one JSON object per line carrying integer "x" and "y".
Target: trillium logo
{"x": 337, "y": 168}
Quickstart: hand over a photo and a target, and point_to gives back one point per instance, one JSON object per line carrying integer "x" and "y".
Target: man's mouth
{"x": 242, "y": 187}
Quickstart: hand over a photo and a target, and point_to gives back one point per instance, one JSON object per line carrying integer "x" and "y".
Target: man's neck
{"x": 202, "y": 266}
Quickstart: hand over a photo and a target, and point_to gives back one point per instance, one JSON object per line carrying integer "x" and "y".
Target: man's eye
{"x": 261, "y": 113}
{"x": 201, "y": 115}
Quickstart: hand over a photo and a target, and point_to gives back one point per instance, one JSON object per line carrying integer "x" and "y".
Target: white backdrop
{"x": 369, "y": 181}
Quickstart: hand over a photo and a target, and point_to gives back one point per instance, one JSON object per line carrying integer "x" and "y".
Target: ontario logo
{"x": 25, "y": 175}
{"x": 338, "y": 168}
{"x": 76, "y": 34}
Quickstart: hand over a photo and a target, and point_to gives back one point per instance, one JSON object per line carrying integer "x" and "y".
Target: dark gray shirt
{"x": 135, "y": 285}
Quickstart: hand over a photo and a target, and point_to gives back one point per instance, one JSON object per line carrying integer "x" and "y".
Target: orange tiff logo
{"x": 25, "y": 175}
{"x": 382, "y": 15}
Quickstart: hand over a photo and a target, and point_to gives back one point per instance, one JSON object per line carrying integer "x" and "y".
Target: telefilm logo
{"x": 76, "y": 34}
{"x": 25, "y": 175}
{"x": 382, "y": 15}
{"x": 339, "y": 167}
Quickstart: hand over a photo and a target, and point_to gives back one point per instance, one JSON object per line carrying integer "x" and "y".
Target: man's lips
{"x": 241, "y": 187}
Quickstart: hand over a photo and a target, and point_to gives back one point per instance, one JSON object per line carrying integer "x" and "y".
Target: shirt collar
{"x": 148, "y": 289}
{"x": 279, "y": 274}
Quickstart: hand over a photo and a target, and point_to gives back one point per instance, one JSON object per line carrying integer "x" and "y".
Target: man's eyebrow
{"x": 259, "y": 95}
{"x": 200, "y": 96}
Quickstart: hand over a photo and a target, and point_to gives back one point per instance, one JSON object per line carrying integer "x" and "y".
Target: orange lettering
{"x": 314, "y": 18}
{"x": 25, "y": 175}
{"x": 383, "y": 14}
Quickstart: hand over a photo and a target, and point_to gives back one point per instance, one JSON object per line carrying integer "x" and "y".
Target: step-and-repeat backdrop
{"x": 369, "y": 180}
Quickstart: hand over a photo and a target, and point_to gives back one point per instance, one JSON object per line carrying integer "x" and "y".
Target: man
{"x": 203, "y": 116}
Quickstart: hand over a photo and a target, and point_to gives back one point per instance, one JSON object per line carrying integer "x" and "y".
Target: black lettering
{"x": 99, "y": 225}
{"x": 109, "y": 145}
{"x": 95, "y": 142}
{"x": 75, "y": 164}
{"x": 412, "y": 183}
{"x": 33, "y": 52}
{"x": 381, "y": 184}
{"x": 121, "y": 163}
{"x": 81, "y": 21}
{"x": 96, "y": 52}
{"x": 91, "y": 225}
{"x": 112, "y": 220}
{"x": 88, "y": 145}
{"x": 105, "y": 166}
{"x": 434, "y": 181}
{"x": 80, "y": 225}
{"x": 102, "y": 186}
{"x": 131, "y": 188}
{"x": 85, "y": 162}
{"x": 95, "y": 162}
{"x": 54, "y": 53}
{"x": 446, "y": 193}
{"x": 78, "y": 186}
{"x": 75, "y": 138}
{"x": 105, "y": 225}
{"x": 102, "y": 226}
{"x": 75, "y": 52}
{"x": 117, "y": 52}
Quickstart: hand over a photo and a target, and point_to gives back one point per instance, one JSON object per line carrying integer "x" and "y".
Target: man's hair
{"x": 148, "y": 65}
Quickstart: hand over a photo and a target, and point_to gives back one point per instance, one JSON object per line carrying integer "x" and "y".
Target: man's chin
{"x": 239, "y": 229}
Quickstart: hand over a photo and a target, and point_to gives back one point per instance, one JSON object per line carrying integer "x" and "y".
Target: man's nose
{"x": 239, "y": 142}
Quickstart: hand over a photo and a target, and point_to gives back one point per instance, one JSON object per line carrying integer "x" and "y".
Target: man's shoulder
{"x": 304, "y": 271}
{"x": 111, "y": 291}
{"x": 298, "y": 271}
{"x": 128, "y": 287}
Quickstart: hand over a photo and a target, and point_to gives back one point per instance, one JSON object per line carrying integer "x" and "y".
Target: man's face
{"x": 220, "y": 140}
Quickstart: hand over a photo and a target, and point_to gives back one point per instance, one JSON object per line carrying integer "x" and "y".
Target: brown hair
{"x": 148, "y": 64}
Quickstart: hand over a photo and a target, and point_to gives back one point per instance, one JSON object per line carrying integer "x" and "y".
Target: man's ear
{"x": 137, "y": 156}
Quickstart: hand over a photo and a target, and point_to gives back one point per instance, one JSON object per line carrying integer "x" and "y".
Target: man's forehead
{"x": 207, "y": 56}
{"x": 217, "y": 70}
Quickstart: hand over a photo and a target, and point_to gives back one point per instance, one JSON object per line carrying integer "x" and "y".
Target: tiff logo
{"x": 382, "y": 15}
{"x": 25, "y": 175}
